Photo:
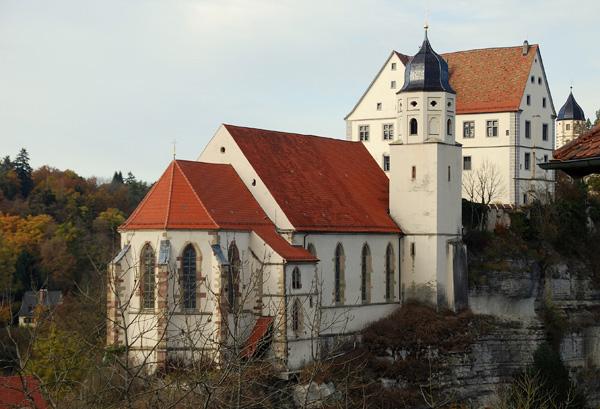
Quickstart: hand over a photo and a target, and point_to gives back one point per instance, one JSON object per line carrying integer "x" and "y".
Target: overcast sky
{"x": 99, "y": 86}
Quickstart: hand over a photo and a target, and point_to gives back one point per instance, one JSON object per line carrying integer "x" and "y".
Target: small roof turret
{"x": 571, "y": 110}
{"x": 426, "y": 71}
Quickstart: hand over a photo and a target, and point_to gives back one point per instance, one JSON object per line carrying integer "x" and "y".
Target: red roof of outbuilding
{"x": 19, "y": 392}
{"x": 490, "y": 79}
{"x": 321, "y": 184}
{"x": 197, "y": 195}
{"x": 585, "y": 147}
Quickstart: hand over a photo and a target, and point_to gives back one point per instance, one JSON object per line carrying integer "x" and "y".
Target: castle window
{"x": 188, "y": 277}
{"x": 413, "y": 251}
{"x": 527, "y": 161}
{"x": 413, "y": 103}
{"x": 544, "y": 132}
{"x": 388, "y": 131}
{"x": 543, "y": 102}
{"x": 492, "y": 128}
{"x": 469, "y": 129}
{"x": 339, "y": 274}
{"x": 393, "y": 66}
{"x": 148, "y": 277}
{"x": 449, "y": 127}
{"x": 389, "y": 273}
{"x": 393, "y": 84}
{"x": 528, "y": 99}
{"x": 379, "y": 106}
{"x": 466, "y": 163}
{"x": 363, "y": 132}
{"x": 365, "y": 267}
{"x": 311, "y": 249}
{"x": 449, "y": 173}
{"x": 527, "y": 129}
{"x": 540, "y": 80}
{"x": 568, "y": 127}
{"x": 414, "y": 172}
{"x": 296, "y": 279}
{"x": 545, "y": 158}
{"x": 533, "y": 79}
{"x": 413, "y": 126}
{"x": 386, "y": 163}
{"x": 233, "y": 276}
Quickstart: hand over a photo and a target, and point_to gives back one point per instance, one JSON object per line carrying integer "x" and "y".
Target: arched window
{"x": 389, "y": 273}
{"x": 311, "y": 249}
{"x": 233, "y": 276}
{"x": 449, "y": 127}
{"x": 339, "y": 274}
{"x": 148, "y": 277}
{"x": 188, "y": 277}
{"x": 414, "y": 128}
{"x": 296, "y": 316}
{"x": 296, "y": 279}
{"x": 365, "y": 265}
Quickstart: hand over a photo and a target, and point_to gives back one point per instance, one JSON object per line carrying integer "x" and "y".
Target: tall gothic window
{"x": 296, "y": 279}
{"x": 233, "y": 276}
{"x": 311, "y": 249}
{"x": 189, "y": 277}
{"x": 339, "y": 274}
{"x": 148, "y": 283}
{"x": 389, "y": 273}
{"x": 296, "y": 316}
{"x": 364, "y": 273}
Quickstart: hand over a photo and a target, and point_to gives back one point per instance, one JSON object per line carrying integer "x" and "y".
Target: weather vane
{"x": 174, "y": 143}
{"x": 426, "y": 11}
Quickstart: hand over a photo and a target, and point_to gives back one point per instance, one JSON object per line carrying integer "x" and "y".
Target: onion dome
{"x": 426, "y": 71}
{"x": 571, "y": 110}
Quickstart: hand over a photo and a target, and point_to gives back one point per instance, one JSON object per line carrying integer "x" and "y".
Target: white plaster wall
{"x": 223, "y": 149}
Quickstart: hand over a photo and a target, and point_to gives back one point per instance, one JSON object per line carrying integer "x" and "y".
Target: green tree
{"x": 23, "y": 169}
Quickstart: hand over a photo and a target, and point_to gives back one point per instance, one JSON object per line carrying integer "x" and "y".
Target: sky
{"x": 99, "y": 86}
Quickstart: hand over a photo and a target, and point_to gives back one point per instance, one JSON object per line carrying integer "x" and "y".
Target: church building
{"x": 504, "y": 115}
{"x": 286, "y": 245}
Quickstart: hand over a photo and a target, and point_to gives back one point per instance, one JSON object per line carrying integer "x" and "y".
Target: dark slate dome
{"x": 426, "y": 71}
{"x": 571, "y": 110}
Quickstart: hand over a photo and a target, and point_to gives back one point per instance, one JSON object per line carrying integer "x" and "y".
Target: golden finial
{"x": 426, "y": 11}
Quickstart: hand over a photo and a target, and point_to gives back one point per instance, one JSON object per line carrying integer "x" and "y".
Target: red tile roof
{"x": 13, "y": 395}
{"x": 585, "y": 147}
{"x": 321, "y": 184}
{"x": 197, "y": 195}
{"x": 258, "y": 332}
{"x": 490, "y": 79}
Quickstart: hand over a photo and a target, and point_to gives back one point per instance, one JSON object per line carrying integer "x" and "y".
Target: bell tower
{"x": 426, "y": 183}
{"x": 569, "y": 122}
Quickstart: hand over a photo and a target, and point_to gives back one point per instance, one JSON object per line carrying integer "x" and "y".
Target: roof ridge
{"x": 291, "y": 133}
{"x": 195, "y": 193}
{"x": 490, "y": 48}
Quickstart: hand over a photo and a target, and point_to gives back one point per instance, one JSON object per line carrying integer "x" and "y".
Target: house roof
{"x": 198, "y": 195}
{"x": 490, "y": 79}
{"x": 14, "y": 391}
{"x": 321, "y": 184}
{"x": 571, "y": 110}
{"x": 426, "y": 71}
{"x": 578, "y": 158}
{"x": 42, "y": 298}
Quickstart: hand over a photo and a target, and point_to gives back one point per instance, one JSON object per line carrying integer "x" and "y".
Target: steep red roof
{"x": 13, "y": 393}
{"x": 585, "y": 147}
{"x": 197, "y": 195}
{"x": 321, "y": 184}
{"x": 490, "y": 79}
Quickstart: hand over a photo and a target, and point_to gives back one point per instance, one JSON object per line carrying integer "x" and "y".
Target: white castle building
{"x": 504, "y": 115}
{"x": 274, "y": 243}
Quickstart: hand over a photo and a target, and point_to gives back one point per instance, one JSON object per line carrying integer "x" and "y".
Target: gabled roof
{"x": 321, "y": 184}
{"x": 578, "y": 158}
{"x": 42, "y": 298}
{"x": 490, "y": 79}
{"x": 197, "y": 195}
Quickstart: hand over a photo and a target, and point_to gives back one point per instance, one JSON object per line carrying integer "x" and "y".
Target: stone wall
{"x": 515, "y": 295}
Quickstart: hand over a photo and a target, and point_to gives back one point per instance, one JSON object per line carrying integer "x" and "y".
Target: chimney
{"x": 525, "y": 48}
